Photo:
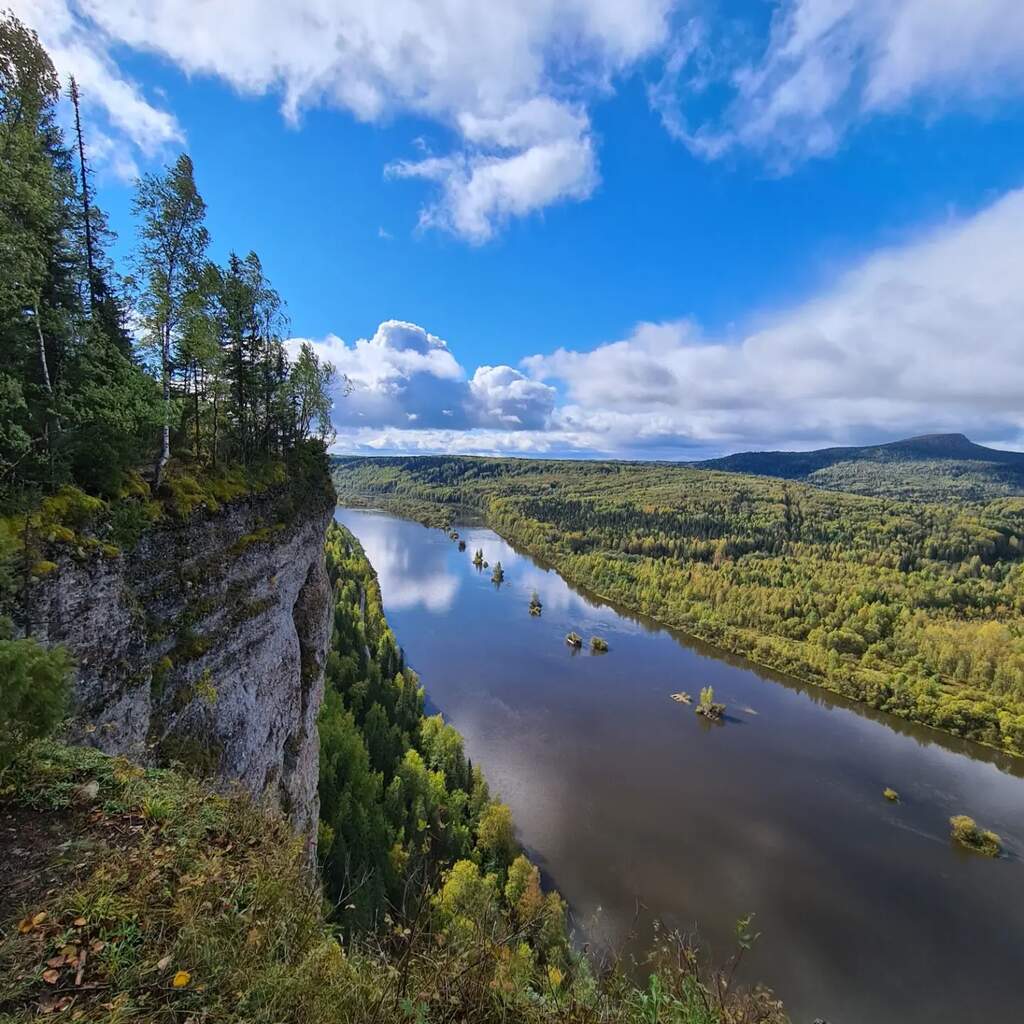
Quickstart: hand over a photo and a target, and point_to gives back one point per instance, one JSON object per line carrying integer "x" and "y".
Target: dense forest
{"x": 933, "y": 467}
{"x": 116, "y": 377}
{"x": 913, "y": 608}
{"x": 400, "y": 801}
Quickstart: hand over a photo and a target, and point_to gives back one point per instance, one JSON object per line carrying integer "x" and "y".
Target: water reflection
{"x": 634, "y": 809}
{"x": 411, "y": 579}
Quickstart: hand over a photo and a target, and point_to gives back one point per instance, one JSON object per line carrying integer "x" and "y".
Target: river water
{"x": 635, "y": 808}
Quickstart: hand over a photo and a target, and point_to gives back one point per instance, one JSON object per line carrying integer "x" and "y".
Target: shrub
{"x": 966, "y": 832}
{"x": 33, "y": 693}
{"x": 707, "y": 706}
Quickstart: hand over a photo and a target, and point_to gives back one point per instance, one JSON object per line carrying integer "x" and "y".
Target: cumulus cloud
{"x": 504, "y": 397}
{"x": 511, "y": 82}
{"x": 545, "y": 158}
{"x": 405, "y": 378}
{"x": 829, "y": 64}
{"x": 925, "y": 336}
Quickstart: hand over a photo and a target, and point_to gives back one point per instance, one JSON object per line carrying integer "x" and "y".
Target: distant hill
{"x": 932, "y": 467}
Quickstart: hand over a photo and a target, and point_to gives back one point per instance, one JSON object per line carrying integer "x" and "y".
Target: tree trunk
{"x": 195, "y": 387}
{"x": 214, "y": 438}
{"x": 165, "y": 439}
{"x": 89, "y": 259}
{"x": 42, "y": 350}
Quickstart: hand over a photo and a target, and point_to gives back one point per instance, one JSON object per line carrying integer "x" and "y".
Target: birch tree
{"x": 172, "y": 245}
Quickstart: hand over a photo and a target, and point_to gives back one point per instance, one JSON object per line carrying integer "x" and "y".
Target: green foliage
{"x": 915, "y": 609}
{"x": 708, "y": 707}
{"x": 34, "y": 680}
{"x": 33, "y": 693}
{"x": 79, "y": 402}
{"x": 966, "y": 832}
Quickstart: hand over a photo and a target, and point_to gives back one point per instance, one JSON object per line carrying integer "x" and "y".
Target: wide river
{"x": 635, "y": 808}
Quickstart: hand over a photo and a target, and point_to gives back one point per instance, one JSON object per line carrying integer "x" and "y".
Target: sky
{"x": 645, "y": 229}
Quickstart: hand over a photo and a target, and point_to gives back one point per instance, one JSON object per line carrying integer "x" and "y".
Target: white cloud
{"x": 504, "y": 397}
{"x": 828, "y": 64}
{"x": 925, "y": 336}
{"x": 511, "y": 81}
{"x": 481, "y": 192}
{"x": 408, "y": 379}
{"x": 113, "y": 104}
{"x": 471, "y": 441}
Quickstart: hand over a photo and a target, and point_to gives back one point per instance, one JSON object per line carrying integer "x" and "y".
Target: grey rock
{"x": 205, "y": 645}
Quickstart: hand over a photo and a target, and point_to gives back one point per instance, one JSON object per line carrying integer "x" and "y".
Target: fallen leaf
{"x": 163, "y": 963}
{"x": 97, "y": 945}
{"x": 80, "y": 922}
{"x": 51, "y": 977}
{"x": 55, "y": 961}
{"x": 39, "y": 918}
{"x": 181, "y": 979}
{"x": 25, "y": 925}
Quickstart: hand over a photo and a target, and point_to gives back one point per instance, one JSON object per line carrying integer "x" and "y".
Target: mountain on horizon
{"x": 929, "y": 467}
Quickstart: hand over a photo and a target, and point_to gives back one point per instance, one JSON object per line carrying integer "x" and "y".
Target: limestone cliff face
{"x": 205, "y": 645}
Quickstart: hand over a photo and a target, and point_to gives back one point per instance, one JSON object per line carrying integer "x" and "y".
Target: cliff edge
{"x": 204, "y": 645}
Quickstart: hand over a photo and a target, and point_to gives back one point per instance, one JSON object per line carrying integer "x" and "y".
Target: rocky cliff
{"x": 204, "y": 645}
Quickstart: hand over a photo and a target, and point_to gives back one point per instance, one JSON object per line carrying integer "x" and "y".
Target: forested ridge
{"x": 913, "y": 608}
{"x": 933, "y": 467}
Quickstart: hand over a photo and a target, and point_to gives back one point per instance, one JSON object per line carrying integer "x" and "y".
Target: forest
{"x": 402, "y": 807}
{"x": 161, "y": 370}
{"x": 915, "y": 609}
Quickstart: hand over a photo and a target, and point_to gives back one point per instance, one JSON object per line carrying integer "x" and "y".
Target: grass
{"x": 151, "y": 900}
{"x": 69, "y": 521}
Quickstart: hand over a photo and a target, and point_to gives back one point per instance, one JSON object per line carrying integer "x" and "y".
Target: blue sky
{"x": 672, "y": 228}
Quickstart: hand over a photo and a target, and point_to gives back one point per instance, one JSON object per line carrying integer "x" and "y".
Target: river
{"x": 636, "y": 808}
